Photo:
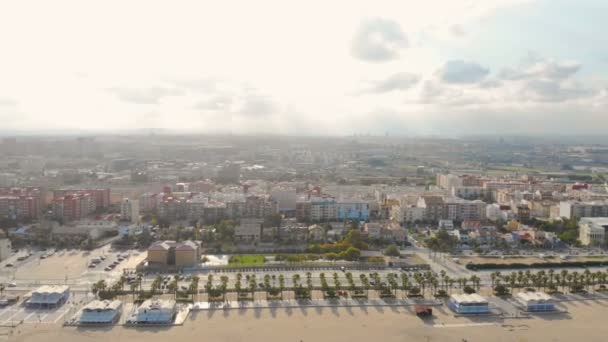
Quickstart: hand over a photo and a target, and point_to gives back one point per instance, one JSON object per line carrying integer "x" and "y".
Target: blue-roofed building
{"x": 353, "y": 210}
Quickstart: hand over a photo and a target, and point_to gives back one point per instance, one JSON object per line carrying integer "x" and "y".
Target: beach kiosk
{"x": 468, "y": 304}
{"x": 48, "y": 296}
{"x": 536, "y": 301}
{"x": 99, "y": 312}
{"x": 154, "y": 311}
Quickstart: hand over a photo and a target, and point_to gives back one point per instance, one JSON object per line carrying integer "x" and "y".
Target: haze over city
{"x": 336, "y": 171}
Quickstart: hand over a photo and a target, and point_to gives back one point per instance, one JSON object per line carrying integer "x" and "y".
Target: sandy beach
{"x": 585, "y": 321}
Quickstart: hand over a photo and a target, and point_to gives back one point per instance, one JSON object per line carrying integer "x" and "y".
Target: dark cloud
{"x": 378, "y": 40}
{"x": 459, "y": 71}
{"x": 399, "y": 81}
{"x": 150, "y": 95}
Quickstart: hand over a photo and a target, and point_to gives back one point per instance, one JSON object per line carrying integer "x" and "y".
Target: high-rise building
{"x": 129, "y": 210}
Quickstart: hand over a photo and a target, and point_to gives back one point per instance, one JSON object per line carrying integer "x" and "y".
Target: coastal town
{"x": 148, "y": 243}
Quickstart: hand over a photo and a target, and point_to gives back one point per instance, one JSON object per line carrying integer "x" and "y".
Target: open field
{"x": 583, "y": 322}
{"x": 246, "y": 260}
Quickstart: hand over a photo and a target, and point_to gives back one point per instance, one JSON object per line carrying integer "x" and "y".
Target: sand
{"x": 584, "y": 322}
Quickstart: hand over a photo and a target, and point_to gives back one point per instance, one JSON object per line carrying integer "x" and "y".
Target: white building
{"x": 592, "y": 230}
{"x": 571, "y": 209}
{"x": 249, "y": 229}
{"x": 535, "y": 301}
{"x": 129, "y": 210}
{"x": 49, "y": 296}
{"x": 468, "y": 304}
{"x": 101, "y": 312}
{"x": 154, "y": 311}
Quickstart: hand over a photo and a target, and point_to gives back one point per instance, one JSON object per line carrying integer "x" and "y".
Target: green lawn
{"x": 246, "y": 259}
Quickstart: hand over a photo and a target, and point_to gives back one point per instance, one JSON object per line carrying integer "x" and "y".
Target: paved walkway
{"x": 263, "y": 304}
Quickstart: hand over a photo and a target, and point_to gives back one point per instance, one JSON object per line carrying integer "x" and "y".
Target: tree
{"x": 392, "y": 250}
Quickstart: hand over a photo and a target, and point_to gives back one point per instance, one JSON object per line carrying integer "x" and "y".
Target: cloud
{"x": 398, "y": 81}
{"x": 554, "y": 91}
{"x": 257, "y": 106}
{"x": 197, "y": 84}
{"x": 378, "y": 40}
{"x": 534, "y": 68}
{"x": 215, "y": 103}
{"x": 457, "y": 30}
{"x": 459, "y": 72}
{"x": 4, "y": 101}
{"x": 150, "y": 95}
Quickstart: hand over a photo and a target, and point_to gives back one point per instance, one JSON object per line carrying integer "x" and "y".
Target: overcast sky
{"x": 315, "y": 67}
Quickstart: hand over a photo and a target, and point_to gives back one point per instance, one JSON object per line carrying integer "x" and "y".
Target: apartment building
{"x": 578, "y": 209}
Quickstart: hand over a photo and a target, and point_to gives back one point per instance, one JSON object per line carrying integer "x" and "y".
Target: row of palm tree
{"x": 551, "y": 280}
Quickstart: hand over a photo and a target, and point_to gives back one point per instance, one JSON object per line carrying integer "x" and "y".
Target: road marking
{"x": 464, "y": 325}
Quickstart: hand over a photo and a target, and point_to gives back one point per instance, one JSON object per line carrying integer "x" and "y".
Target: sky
{"x": 433, "y": 67}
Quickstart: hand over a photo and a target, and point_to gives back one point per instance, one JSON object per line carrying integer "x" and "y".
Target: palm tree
{"x": 252, "y": 285}
{"x": 281, "y": 284}
{"x": 309, "y": 282}
{"x": 405, "y": 282}
{"x": 133, "y": 287}
{"x": 193, "y": 289}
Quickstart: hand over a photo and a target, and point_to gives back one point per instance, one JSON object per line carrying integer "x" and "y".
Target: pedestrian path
{"x": 264, "y": 304}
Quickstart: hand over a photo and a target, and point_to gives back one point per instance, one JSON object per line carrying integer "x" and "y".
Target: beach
{"x": 584, "y": 321}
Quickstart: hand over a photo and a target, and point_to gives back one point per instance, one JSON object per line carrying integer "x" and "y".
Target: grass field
{"x": 246, "y": 260}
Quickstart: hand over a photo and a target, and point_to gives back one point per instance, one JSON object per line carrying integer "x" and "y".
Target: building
{"x": 248, "y": 230}
{"x": 171, "y": 253}
{"x": 5, "y": 248}
{"x": 129, "y": 210}
{"x": 578, "y": 209}
{"x": 73, "y": 206}
{"x": 101, "y": 196}
{"x": 352, "y": 210}
{"x": 433, "y": 207}
{"x": 21, "y": 203}
{"x": 154, "y": 311}
{"x": 535, "y": 301}
{"x": 100, "y": 312}
{"x": 49, "y": 296}
{"x": 286, "y": 198}
{"x": 467, "y": 192}
{"x": 592, "y": 230}
{"x": 468, "y": 304}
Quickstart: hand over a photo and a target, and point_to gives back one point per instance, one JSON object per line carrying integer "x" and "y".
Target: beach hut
{"x": 101, "y": 312}
{"x": 49, "y": 296}
{"x": 154, "y": 311}
{"x": 536, "y": 301}
{"x": 468, "y": 304}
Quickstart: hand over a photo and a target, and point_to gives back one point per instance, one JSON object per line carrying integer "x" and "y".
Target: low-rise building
{"x": 171, "y": 253}
{"x": 49, "y": 296}
{"x": 101, "y": 312}
{"x": 468, "y": 304}
{"x": 535, "y": 301}
{"x": 248, "y": 230}
{"x": 154, "y": 311}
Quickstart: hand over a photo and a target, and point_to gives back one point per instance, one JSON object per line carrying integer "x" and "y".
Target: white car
{"x": 13, "y": 284}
